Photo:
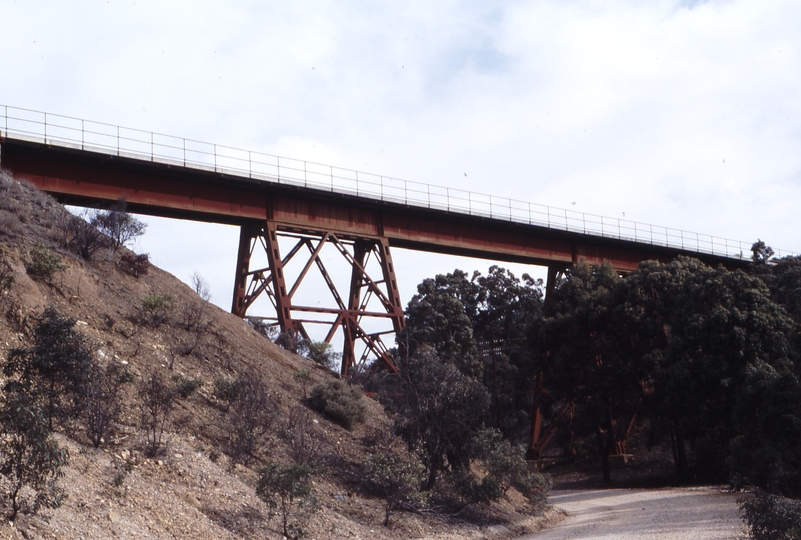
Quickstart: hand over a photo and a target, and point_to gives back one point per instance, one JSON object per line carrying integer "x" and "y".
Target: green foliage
{"x": 438, "y": 410}
{"x": 104, "y": 400}
{"x": 156, "y": 402}
{"x": 772, "y": 518}
{"x": 118, "y": 225}
{"x": 186, "y": 386}
{"x": 471, "y": 490}
{"x": 29, "y": 457}
{"x": 289, "y": 491}
{"x": 340, "y": 401}
{"x": 56, "y": 369}
{"x": 156, "y": 308}
{"x": 44, "y": 263}
{"x": 437, "y": 317}
{"x": 6, "y": 275}
{"x": 396, "y": 478}
{"x": 322, "y": 353}
{"x": 135, "y": 265}
{"x": 228, "y": 389}
{"x": 505, "y": 464}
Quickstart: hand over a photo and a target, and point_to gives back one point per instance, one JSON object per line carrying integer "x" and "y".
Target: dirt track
{"x": 658, "y": 514}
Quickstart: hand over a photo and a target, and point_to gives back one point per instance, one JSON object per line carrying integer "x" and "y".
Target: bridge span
{"x": 312, "y": 205}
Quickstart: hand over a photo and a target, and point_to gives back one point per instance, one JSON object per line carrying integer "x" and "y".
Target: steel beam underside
{"x": 80, "y": 177}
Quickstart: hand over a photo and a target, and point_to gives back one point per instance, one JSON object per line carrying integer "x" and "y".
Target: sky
{"x": 684, "y": 114}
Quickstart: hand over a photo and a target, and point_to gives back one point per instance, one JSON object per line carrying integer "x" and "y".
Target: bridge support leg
{"x": 537, "y": 439}
{"x": 368, "y": 298}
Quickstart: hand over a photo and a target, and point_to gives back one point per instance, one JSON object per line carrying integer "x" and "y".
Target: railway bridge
{"x": 310, "y": 206}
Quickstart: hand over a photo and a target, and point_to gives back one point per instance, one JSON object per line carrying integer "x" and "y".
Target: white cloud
{"x": 617, "y": 106}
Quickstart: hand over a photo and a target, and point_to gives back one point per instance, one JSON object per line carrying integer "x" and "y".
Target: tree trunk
{"x": 603, "y": 450}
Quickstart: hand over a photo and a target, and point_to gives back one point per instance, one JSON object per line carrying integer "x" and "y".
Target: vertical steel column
{"x": 360, "y": 249}
{"x": 534, "y": 442}
{"x": 283, "y": 302}
{"x": 246, "y": 235}
{"x": 388, "y": 268}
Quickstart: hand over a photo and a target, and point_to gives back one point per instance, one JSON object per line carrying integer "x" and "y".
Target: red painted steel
{"x": 79, "y": 177}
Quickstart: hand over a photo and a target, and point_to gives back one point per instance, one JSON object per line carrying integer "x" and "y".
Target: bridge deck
{"x": 86, "y": 177}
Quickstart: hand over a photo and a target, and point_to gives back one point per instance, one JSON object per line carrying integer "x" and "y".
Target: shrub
{"x": 186, "y": 386}
{"x": 270, "y": 331}
{"x": 29, "y": 457}
{"x": 118, "y": 225}
{"x": 6, "y": 275}
{"x": 771, "y": 517}
{"x": 82, "y": 235}
{"x": 396, "y": 478}
{"x": 228, "y": 390}
{"x": 339, "y": 401}
{"x": 289, "y": 490}
{"x": 156, "y": 308}
{"x": 156, "y": 401}
{"x": 305, "y": 439}
{"x": 474, "y": 491}
{"x": 135, "y": 265}
{"x": 56, "y": 368}
{"x": 303, "y": 377}
{"x": 250, "y": 417}
{"x": 104, "y": 400}
{"x": 10, "y": 225}
{"x": 322, "y": 353}
{"x": 506, "y": 465}
{"x": 44, "y": 263}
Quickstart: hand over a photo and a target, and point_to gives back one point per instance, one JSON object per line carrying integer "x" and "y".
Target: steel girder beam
{"x": 364, "y": 291}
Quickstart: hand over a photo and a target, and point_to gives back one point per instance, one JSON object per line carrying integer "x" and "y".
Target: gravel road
{"x": 657, "y": 514}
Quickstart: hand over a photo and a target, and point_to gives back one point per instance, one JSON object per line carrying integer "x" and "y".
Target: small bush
{"x": 250, "y": 418}
{"x": 270, "y": 331}
{"x": 771, "y": 517}
{"x": 186, "y": 386}
{"x": 44, "y": 263}
{"x": 305, "y": 439}
{"x": 29, "y": 457}
{"x": 228, "y": 390}
{"x": 322, "y": 353}
{"x": 339, "y": 401}
{"x": 473, "y": 491}
{"x": 83, "y": 236}
{"x": 135, "y": 265}
{"x": 156, "y": 308}
{"x": 104, "y": 400}
{"x": 118, "y": 225}
{"x": 6, "y": 275}
{"x": 396, "y": 478}
{"x": 156, "y": 401}
{"x": 10, "y": 225}
{"x": 303, "y": 378}
{"x": 288, "y": 490}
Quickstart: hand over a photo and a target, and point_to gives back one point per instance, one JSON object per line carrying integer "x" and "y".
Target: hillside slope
{"x": 193, "y": 489}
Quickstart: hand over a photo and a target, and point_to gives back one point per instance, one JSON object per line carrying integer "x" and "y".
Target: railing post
{"x": 184, "y": 140}
{"x": 83, "y": 137}
{"x": 118, "y": 140}
{"x": 45, "y": 128}
{"x": 250, "y": 164}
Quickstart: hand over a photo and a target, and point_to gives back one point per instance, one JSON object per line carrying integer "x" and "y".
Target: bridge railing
{"x": 69, "y": 132}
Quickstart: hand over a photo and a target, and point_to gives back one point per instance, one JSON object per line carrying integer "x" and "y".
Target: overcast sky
{"x": 679, "y": 113}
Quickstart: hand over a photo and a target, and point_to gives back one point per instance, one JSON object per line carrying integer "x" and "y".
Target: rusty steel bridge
{"x": 312, "y": 206}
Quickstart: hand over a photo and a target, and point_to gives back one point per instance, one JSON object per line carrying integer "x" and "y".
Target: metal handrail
{"x": 70, "y": 132}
